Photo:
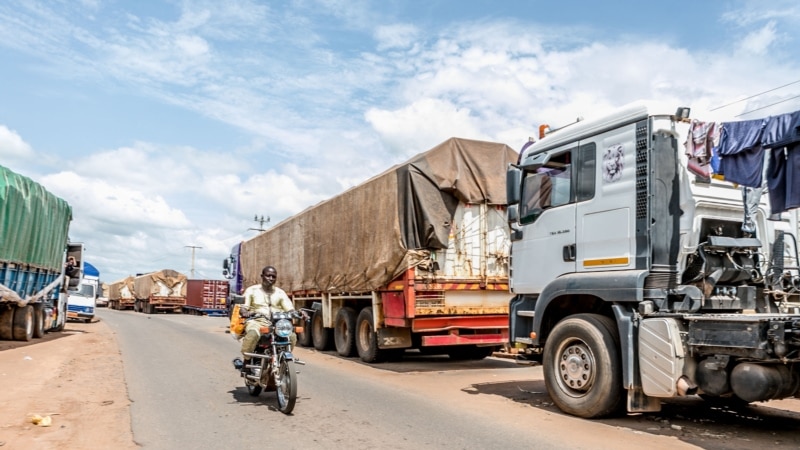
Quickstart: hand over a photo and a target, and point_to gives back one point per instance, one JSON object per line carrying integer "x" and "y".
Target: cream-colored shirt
{"x": 257, "y": 300}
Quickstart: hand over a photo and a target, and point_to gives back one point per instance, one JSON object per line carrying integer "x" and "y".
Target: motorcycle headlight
{"x": 284, "y": 328}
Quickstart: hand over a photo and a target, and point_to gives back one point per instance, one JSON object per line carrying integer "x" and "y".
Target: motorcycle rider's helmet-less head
{"x": 268, "y": 276}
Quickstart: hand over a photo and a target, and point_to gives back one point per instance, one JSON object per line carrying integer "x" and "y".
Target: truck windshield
{"x": 86, "y": 290}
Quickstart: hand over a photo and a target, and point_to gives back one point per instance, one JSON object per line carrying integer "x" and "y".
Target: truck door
{"x": 606, "y": 201}
{"x": 547, "y": 220}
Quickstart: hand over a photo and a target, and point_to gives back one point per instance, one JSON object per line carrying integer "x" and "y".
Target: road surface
{"x": 170, "y": 384}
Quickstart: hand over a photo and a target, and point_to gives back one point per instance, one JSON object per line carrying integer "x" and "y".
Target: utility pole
{"x": 261, "y": 222}
{"x": 193, "y": 247}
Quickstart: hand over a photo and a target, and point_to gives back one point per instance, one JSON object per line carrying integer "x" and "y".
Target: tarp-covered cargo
{"x": 163, "y": 283}
{"x": 34, "y": 223}
{"x": 367, "y": 236}
{"x": 121, "y": 289}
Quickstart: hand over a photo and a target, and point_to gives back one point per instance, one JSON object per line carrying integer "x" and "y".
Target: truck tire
{"x": 304, "y": 339}
{"x": 582, "y": 366}
{"x": 7, "y": 322}
{"x": 321, "y": 337}
{"x": 344, "y": 332}
{"x": 38, "y": 321}
{"x": 366, "y": 339}
{"x": 23, "y": 323}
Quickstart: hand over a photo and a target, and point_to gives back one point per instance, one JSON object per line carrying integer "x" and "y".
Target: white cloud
{"x": 395, "y": 36}
{"x": 415, "y": 127}
{"x": 12, "y": 147}
{"x": 758, "y": 42}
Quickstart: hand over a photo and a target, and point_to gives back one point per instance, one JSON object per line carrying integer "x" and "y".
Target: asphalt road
{"x": 186, "y": 394}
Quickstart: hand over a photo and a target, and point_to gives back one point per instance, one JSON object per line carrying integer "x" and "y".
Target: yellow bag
{"x": 237, "y": 323}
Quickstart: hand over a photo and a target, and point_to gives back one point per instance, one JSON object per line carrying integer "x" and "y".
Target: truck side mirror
{"x": 225, "y": 265}
{"x": 512, "y": 214}
{"x": 513, "y": 181}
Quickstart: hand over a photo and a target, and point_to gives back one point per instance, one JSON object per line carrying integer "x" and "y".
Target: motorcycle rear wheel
{"x": 286, "y": 387}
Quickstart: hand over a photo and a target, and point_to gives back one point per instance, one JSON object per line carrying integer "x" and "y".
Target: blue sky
{"x": 168, "y": 124}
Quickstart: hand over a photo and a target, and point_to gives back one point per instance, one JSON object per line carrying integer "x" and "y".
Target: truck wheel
{"x": 38, "y": 322}
{"x": 7, "y": 322}
{"x": 582, "y": 368}
{"x": 23, "y": 323}
{"x": 344, "y": 332}
{"x": 321, "y": 336}
{"x": 366, "y": 338}
{"x": 304, "y": 339}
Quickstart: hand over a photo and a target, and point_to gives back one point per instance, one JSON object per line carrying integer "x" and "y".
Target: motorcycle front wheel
{"x": 286, "y": 386}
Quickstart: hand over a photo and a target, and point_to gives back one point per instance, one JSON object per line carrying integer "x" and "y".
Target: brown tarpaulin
{"x": 150, "y": 284}
{"x": 363, "y": 238}
{"x": 115, "y": 288}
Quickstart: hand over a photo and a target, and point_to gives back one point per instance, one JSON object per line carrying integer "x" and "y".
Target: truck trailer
{"x": 206, "y": 297}
{"x": 635, "y": 280}
{"x": 162, "y": 290}
{"x": 413, "y": 258}
{"x": 120, "y": 294}
{"x": 34, "y": 237}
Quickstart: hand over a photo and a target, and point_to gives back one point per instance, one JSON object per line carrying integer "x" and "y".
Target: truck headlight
{"x": 284, "y": 328}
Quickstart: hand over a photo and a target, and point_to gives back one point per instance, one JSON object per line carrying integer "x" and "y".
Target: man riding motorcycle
{"x": 262, "y": 299}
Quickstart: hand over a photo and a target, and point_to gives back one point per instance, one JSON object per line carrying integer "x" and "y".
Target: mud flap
{"x": 639, "y": 402}
{"x": 394, "y": 337}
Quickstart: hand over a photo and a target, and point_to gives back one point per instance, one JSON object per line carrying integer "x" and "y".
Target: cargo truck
{"x": 206, "y": 297}
{"x": 635, "y": 281}
{"x": 82, "y": 299}
{"x": 120, "y": 294}
{"x": 162, "y": 290}
{"x": 34, "y": 240}
{"x": 414, "y": 258}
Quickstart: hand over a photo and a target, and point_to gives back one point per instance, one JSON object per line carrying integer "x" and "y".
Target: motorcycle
{"x": 272, "y": 365}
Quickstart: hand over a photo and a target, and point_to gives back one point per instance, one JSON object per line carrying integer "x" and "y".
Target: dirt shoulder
{"x": 76, "y": 378}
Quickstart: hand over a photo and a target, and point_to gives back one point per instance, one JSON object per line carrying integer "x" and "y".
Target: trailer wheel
{"x": 366, "y": 338}
{"x": 23, "y": 323}
{"x": 38, "y": 321}
{"x": 321, "y": 336}
{"x": 582, "y": 368}
{"x": 344, "y": 332}
{"x": 7, "y": 322}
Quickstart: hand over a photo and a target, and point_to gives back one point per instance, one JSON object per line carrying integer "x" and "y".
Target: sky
{"x": 170, "y": 125}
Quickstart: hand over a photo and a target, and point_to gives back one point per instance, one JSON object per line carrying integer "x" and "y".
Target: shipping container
{"x": 208, "y": 297}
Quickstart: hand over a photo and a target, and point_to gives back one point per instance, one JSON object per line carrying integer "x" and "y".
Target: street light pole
{"x": 193, "y": 247}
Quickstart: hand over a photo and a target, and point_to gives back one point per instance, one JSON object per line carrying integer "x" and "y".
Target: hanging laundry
{"x": 751, "y": 197}
{"x": 740, "y": 151}
{"x": 701, "y": 139}
{"x": 782, "y": 136}
{"x": 781, "y": 130}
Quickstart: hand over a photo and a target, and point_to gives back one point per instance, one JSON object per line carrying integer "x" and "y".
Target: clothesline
{"x": 757, "y": 154}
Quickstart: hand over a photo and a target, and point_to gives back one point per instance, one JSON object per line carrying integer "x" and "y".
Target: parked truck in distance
{"x": 162, "y": 290}
{"x": 82, "y": 299}
{"x": 34, "y": 236}
{"x": 635, "y": 282}
{"x": 206, "y": 297}
{"x": 120, "y": 294}
{"x": 414, "y": 258}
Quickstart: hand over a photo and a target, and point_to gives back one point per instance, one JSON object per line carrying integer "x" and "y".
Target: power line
{"x": 756, "y": 95}
{"x": 767, "y": 106}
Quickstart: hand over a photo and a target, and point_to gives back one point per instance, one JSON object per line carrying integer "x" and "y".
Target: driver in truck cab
{"x": 262, "y": 299}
